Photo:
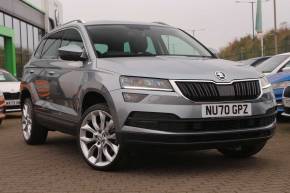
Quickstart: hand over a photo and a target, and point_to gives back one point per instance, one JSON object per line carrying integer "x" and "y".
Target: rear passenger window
{"x": 51, "y": 46}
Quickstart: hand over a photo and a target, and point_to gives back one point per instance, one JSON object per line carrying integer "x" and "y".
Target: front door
{"x": 64, "y": 79}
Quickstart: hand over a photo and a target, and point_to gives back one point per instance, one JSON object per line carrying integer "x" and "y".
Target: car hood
{"x": 279, "y": 77}
{"x": 10, "y": 87}
{"x": 177, "y": 68}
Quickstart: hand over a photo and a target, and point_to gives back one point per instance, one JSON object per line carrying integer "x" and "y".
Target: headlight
{"x": 281, "y": 85}
{"x": 265, "y": 83}
{"x": 138, "y": 83}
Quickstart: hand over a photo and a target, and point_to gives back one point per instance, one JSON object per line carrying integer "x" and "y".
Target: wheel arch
{"x": 94, "y": 96}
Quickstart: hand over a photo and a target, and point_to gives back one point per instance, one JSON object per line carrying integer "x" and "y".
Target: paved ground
{"x": 58, "y": 167}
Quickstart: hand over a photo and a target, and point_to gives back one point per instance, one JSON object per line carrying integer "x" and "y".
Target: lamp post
{"x": 275, "y": 27}
{"x": 253, "y": 17}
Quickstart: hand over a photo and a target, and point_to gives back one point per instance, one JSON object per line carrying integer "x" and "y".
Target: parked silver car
{"x": 276, "y": 64}
{"x": 123, "y": 85}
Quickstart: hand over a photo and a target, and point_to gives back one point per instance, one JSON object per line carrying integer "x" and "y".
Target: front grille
{"x": 209, "y": 91}
{"x": 178, "y": 125}
{"x": 11, "y": 96}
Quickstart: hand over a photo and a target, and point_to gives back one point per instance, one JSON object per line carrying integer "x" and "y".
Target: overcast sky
{"x": 220, "y": 21}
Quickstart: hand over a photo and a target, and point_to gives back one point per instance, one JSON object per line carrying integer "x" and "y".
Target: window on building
{"x": 8, "y": 21}
{"x": 30, "y": 39}
{"x": 26, "y": 39}
{"x": 17, "y": 38}
{"x": 1, "y": 52}
{"x": 35, "y": 37}
{"x": 1, "y": 18}
{"x": 25, "y": 51}
{"x": 16, "y": 28}
{"x": 1, "y": 43}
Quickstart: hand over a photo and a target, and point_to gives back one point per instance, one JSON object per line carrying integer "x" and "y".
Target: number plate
{"x": 286, "y": 102}
{"x": 226, "y": 110}
{"x": 13, "y": 102}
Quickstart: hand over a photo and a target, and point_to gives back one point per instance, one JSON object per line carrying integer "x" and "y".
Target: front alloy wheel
{"x": 97, "y": 138}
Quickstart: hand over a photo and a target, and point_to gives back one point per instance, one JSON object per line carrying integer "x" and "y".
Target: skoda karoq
{"x": 119, "y": 85}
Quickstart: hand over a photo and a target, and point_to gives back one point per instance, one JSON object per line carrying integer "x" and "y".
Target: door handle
{"x": 31, "y": 71}
{"x": 51, "y": 73}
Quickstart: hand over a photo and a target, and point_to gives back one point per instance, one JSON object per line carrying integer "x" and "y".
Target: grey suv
{"x": 119, "y": 85}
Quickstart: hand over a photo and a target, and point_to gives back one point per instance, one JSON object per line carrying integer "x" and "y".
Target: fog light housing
{"x": 133, "y": 97}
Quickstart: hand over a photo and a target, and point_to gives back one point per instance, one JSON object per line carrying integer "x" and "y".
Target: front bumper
{"x": 203, "y": 137}
{"x": 13, "y": 109}
{"x": 185, "y": 125}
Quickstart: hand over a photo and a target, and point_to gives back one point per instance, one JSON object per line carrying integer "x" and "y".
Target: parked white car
{"x": 10, "y": 87}
{"x": 276, "y": 64}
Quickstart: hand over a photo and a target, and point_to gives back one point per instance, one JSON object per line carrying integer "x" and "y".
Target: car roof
{"x": 2, "y": 70}
{"x": 112, "y": 22}
{"x": 284, "y": 54}
{"x": 104, "y": 22}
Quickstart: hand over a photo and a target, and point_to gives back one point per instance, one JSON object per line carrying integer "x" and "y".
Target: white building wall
{"x": 53, "y": 9}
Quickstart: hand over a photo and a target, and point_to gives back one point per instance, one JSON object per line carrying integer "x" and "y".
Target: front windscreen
{"x": 143, "y": 40}
{"x": 6, "y": 77}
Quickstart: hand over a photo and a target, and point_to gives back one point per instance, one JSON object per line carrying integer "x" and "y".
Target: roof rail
{"x": 73, "y": 21}
{"x": 161, "y": 23}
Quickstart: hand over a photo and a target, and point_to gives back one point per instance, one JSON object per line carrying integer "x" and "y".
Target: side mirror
{"x": 286, "y": 69}
{"x": 72, "y": 53}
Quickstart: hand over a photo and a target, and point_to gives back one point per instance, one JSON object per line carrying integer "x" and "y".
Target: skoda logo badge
{"x": 220, "y": 75}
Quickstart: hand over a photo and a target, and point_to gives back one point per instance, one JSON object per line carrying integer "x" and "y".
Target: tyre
{"x": 97, "y": 139}
{"x": 242, "y": 151}
{"x": 33, "y": 133}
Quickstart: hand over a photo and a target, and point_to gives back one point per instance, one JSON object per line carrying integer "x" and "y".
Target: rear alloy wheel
{"x": 33, "y": 134}
{"x": 242, "y": 151}
{"x": 97, "y": 139}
